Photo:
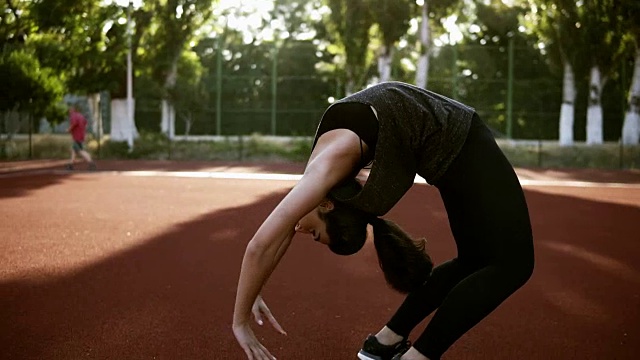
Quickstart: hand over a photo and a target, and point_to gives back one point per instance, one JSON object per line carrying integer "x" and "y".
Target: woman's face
{"x": 312, "y": 224}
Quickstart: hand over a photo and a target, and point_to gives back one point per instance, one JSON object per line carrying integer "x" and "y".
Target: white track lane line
{"x": 296, "y": 177}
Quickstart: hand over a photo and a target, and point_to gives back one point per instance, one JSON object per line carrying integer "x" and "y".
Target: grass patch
{"x": 549, "y": 154}
{"x": 154, "y": 146}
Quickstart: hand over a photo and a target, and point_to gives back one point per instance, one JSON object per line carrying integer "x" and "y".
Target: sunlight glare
{"x": 453, "y": 35}
{"x": 136, "y": 3}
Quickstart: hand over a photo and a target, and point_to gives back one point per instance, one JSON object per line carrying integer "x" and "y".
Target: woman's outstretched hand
{"x": 247, "y": 339}
{"x": 259, "y": 309}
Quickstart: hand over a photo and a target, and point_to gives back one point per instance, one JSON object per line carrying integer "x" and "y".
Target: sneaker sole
{"x": 363, "y": 355}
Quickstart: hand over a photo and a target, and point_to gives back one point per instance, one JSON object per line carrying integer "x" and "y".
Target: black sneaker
{"x": 69, "y": 167}
{"x": 373, "y": 350}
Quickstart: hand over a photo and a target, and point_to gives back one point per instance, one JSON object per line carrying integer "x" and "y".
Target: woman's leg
{"x": 490, "y": 222}
{"x": 423, "y": 301}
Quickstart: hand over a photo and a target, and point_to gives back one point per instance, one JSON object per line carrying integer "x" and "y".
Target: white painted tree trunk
{"x": 631, "y": 127}
{"x": 187, "y": 117}
{"x": 349, "y": 87}
{"x": 121, "y": 127}
{"x": 422, "y": 68}
{"x": 594, "y": 111}
{"x": 384, "y": 63}
{"x": 93, "y": 100}
{"x": 168, "y": 120}
{"x": 567, "y": 110}
{"x": 168, "y": 124}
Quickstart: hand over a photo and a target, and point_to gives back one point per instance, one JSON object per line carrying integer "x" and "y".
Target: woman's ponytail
{"x": 403, "y": 260}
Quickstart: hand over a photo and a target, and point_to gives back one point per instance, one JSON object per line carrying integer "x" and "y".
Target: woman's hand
{"x": 259, "y": 309}
{"x": 250, "y": 344}
{"x": 247, "y": 339}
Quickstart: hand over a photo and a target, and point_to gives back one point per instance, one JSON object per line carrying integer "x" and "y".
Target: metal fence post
{"x": 30, "y": 120}
{"x": 274, "y": 87}
{"x": 454, "y": 72}
{"x": 510, "y": 91}
{"x": 218, "y": 85}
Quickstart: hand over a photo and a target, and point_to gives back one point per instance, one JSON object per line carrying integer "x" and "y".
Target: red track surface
{"x": 108, "y": 266}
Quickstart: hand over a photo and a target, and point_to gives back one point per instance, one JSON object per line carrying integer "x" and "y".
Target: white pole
{"x": 129, "y": 81}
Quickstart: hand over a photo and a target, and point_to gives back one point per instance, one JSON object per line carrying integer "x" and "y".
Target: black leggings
{"x": 489, "y": 220}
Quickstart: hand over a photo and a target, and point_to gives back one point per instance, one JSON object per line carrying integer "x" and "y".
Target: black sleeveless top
{"x": 356, "y": 117}
{"x": 419, "y": 132}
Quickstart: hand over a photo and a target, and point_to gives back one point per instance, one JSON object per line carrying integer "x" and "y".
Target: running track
{"x": 143, "y": 264}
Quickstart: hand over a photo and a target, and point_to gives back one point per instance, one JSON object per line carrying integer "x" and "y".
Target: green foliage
{"x": 484, "y": 59}
{"x": 392, "y": 17}
{"x": 80, "y": 46}
{"x": 550, "y": 155}
{"x": 256, "y": 148}
{"x": 176, "y": 22}
{"x": 348, "y": 25}
{"x": 28, "y": 86}
{"x": 154, "y": 146}
{"x": 82, "y": 40}
{"x": 56, "y": 113}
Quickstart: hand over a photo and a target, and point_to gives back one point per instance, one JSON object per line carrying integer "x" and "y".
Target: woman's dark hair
{"x": 403, "y": 260}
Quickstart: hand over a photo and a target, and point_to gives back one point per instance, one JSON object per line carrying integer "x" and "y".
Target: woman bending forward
{"x": 399, "y": 131}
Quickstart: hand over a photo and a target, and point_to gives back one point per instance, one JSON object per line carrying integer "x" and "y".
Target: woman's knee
{"x": 520, "y": 270}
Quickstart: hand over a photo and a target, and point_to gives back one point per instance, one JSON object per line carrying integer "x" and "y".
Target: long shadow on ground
{"x": 18, "y": 185}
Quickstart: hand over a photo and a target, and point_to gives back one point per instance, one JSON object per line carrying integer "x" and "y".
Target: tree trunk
{"x": 168, "y": 120}
{"x": 121, "y": 127}
{"x": 93, "y": 100}
{"x": 350, "y": 84}
{"x": 422, "y": 69}
{"x": 631, "y": 127}
{"x": 567, "y": 110}
{"x": 188, "y": 121}
{"x": 594, "y": 111}
{"x": 384, "y": 63}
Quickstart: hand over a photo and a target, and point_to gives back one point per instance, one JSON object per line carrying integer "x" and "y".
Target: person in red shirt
{"x": 77, "y": 128}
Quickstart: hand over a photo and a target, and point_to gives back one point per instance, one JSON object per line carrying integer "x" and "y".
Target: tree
{"x": 630, "y": 13}
{"x": 557, "y": 24}
{"x": 392, "y": 18}
{"x": 28, "y": 88}
{"x": 604, "y": 46}
{"x": 347, "y": 28}
{"x": 15, "y": 24}
{"x": 512, "y": 101}
{"x": 439, "y": 9}
{"x": 189, "y": 94}
{"x": 28, "y": 85}
{"x": 176, "y": 22}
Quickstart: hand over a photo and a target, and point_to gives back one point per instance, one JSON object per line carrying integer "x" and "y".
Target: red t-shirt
{"x": 78, "y": 125}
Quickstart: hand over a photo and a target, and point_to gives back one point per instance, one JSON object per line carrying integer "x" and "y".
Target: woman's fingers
{"x": 260, "y": 352}
{"x": 275, "y": 324}
{"x": 257, "y": 315}
{"x": 250, "y": 344}
{"x": 266, "y": 353}
{"x": 265, "y": 309}
{"x": 256, "y": 351}
{"x": 248, "y": 352}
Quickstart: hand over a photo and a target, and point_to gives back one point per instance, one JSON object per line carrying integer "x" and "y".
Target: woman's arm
{"x": 270, "y": 242}
{"x": 334, "y": 158}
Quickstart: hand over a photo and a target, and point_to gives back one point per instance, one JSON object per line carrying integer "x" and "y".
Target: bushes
{"x": 155, "y": 146}
{"x": 548, "y": 154}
